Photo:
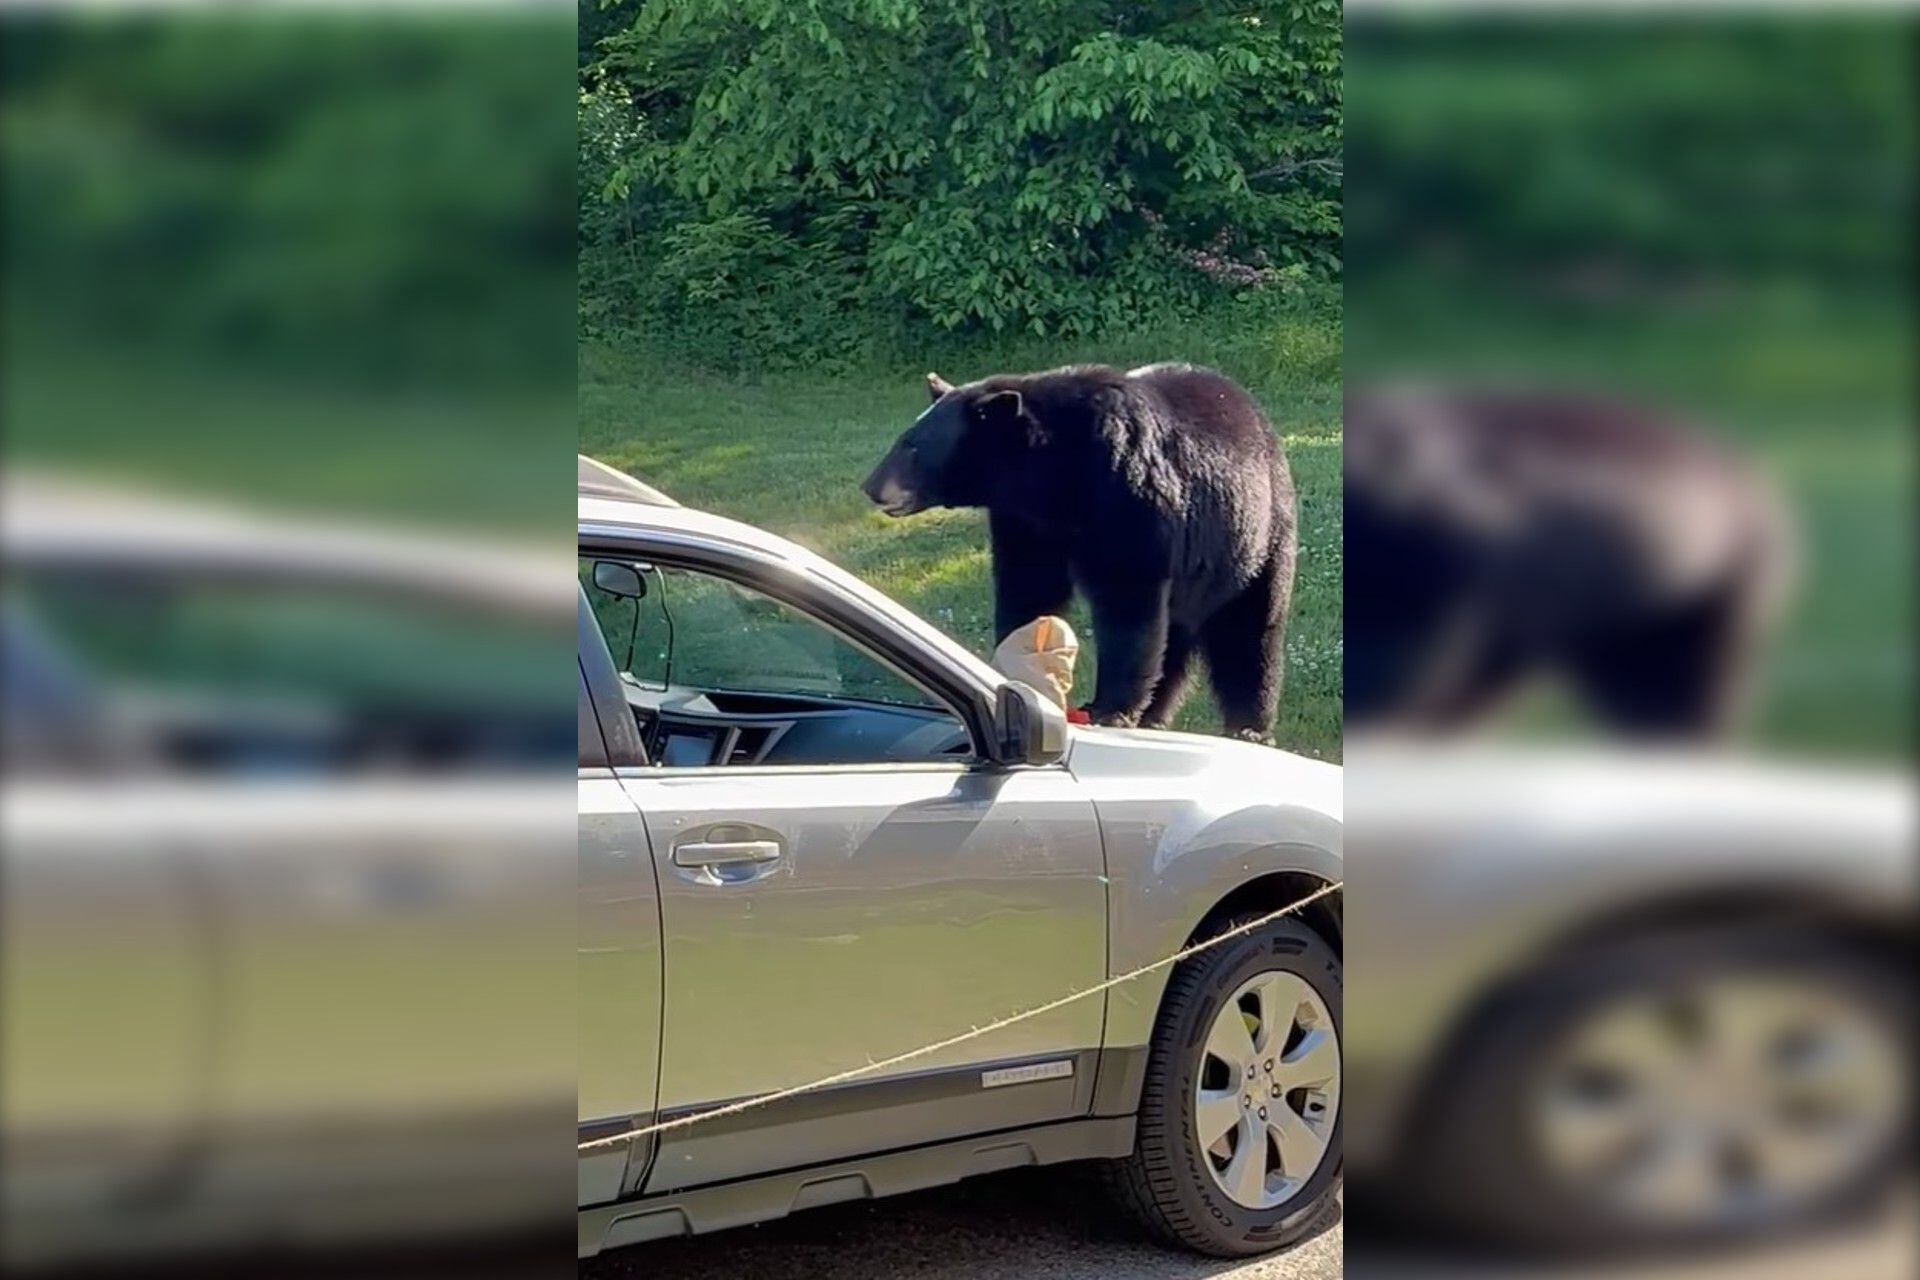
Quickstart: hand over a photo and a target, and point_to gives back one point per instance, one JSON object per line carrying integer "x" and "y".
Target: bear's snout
{"x": 887, "y": 489}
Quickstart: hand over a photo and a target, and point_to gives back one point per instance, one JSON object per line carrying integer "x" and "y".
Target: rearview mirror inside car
{"x": 1030, "y": 727}
{"x": 618, "y": 579}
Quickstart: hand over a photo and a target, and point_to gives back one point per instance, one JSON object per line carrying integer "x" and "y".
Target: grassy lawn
{"x": 787, "y": 452}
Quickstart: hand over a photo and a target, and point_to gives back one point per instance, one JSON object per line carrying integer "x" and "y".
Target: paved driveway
{"x": 1051, "y": 1223}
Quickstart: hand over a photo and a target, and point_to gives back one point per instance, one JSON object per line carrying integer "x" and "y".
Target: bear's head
{"x": 953, "y": 453}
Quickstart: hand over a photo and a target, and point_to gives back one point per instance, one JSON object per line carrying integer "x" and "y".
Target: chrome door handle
{"x": 726, "y": 853}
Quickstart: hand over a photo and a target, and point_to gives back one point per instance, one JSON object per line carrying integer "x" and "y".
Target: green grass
{"x": 787, "y": 452}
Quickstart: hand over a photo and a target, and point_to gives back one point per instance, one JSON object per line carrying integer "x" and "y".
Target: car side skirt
{"x": 909, "y": 1109}
{"x": 734, "y": 1204}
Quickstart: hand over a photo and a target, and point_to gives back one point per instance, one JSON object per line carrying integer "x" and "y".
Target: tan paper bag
{"x": 1042, "y": 654}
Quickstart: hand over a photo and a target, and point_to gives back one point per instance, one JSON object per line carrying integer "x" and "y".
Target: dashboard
{"x": 690, "y": 728}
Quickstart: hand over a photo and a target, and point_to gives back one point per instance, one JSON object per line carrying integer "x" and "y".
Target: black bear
{"x": 1160, "y": 493}
{"x": 1493, "y": 535}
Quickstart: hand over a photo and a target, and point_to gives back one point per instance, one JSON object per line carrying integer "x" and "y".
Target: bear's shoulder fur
{"x": 1156, "y": 409}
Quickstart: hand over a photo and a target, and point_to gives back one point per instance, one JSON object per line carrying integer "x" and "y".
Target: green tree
{"x": 778, "y": 174}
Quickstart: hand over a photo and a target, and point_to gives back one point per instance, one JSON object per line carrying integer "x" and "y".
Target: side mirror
{"x": 618, "y": 579}
{"x": 1031, "y": 728}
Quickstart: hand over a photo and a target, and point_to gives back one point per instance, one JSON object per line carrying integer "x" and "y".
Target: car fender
{"x": 1192, "y": 876}
{"x": 1185, "y": 821}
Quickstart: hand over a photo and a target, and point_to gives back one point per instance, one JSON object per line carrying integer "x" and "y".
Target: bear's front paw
{"x": 1254, "y": 736}
{"x": 1113, "y": 719}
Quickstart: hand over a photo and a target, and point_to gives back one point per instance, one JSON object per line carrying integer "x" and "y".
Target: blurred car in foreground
{"x": 285, "y": 848}
{"x": 1612, "y": 1001}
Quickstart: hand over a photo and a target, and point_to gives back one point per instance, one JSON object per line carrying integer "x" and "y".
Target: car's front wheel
{"x": 1238, "y": 1146}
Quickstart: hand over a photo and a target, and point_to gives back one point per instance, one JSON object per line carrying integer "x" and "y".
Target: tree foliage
{"x": 779, "y": 173}
{"x": 1653, "y": 155}
{"x": 327, "y": 191}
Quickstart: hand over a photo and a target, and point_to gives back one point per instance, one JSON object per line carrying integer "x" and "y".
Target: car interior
{"x": 685, "y": 728}
{"x": 716, "y": 675}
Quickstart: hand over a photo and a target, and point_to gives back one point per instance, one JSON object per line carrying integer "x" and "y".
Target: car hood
{"x": 1230, "y": 773}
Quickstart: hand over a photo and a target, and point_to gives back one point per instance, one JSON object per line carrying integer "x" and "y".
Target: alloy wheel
{"x": 1268, "y": 1092}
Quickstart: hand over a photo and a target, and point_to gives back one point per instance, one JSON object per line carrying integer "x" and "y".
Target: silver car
{"x": 816, "y": 833}
{"x": 284, "y": 846}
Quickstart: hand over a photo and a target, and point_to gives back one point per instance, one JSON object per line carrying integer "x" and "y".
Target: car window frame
{"x": 593, "y": 739}
{"x": 602, "y": 700}
{"x": 845, "y": 616}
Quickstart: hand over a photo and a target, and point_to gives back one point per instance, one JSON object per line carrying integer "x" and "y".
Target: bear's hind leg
{"x": 1245, "y": 647}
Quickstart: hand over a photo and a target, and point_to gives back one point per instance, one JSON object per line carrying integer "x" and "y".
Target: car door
{"x": 820, "y": 915}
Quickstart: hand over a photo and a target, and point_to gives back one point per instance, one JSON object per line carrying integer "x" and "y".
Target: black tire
{"x": 1480, "y": 1166}
{"x": 1164, "y": 1183}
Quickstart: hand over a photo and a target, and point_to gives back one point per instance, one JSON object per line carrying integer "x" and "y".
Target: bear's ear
{"x": 1005, "y": 407}
{"x": 937, "y": 386}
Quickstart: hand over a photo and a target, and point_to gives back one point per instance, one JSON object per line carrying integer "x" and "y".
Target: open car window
{"x": 717, "y": 673}
{"x": 691, "y": 630}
